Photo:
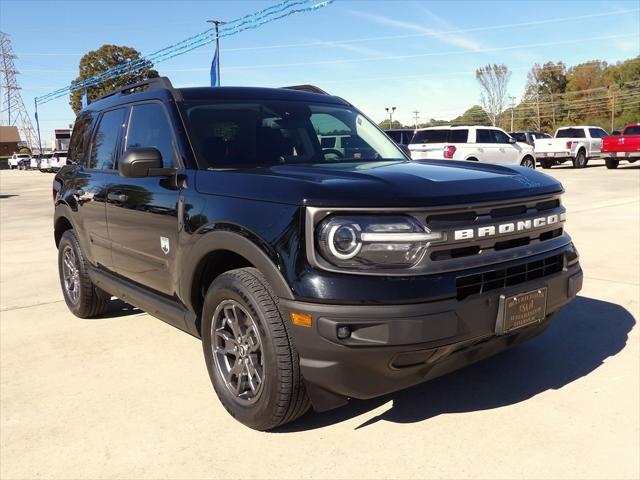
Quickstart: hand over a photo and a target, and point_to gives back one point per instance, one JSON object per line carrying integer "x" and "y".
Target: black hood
{"x": 425, "y": 183}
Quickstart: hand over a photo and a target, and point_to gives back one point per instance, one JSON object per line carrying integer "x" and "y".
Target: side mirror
{"x": 140, "y": 162}
{"x": 511, "y": 140}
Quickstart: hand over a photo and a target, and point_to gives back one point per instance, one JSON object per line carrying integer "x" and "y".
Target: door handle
{"x": 501, "y": 149}
{"x": 117, "y": 197}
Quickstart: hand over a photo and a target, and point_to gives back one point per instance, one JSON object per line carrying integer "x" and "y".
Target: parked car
{"x": 528, "y": 136}
{"x": 45, "y": 162}
{"x": 623, "y": 147}
{"x": 34, "y": 162}
{"x": 402, "y": 136}
{"x": 58, "y": 160}
{"x": 475, "y": 143}
{"x": 15, "y": 159}
{"x": 575, "y": 144}
{"x": 311, "y": 276}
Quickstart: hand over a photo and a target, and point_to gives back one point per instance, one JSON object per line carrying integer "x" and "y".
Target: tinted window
{"x": 105, "y": 142}
{"x": 457, "y": 136}
{"x": 500, "y": 137}
{"x": 406, "y": 137}
{"x": 395, "y": 136}
{"x": 570, "y": 133}
{"x": 484, "y": 136}
{"x": 149, "y": 127}
{"x": 520, "y": 136}
{"x": 80, "y": 136}
{"x": 430, "y": 136}
{"x": 597, "y": 133}
{"x": 635, "y": 130}
{"x": 328, "y": 142}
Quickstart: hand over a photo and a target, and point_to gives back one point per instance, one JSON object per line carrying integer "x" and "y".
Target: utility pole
{"x": 513, "y": 99}
{"x": 390, "y": 111}
{"x": 538, "y": 110}
{"x": 12, "y": 102}
{"x": 217, "y": 24}
{"x": 415, "y": 113}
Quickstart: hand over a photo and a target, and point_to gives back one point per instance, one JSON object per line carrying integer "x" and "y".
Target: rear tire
{"x": 249, "y": 351}
{"x": 83, "y": 298}
{"x": 580, "y": 161}
{"x": 611, "y": 163}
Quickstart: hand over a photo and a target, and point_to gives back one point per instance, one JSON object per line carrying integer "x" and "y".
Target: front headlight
{"x": 373, "y": 242}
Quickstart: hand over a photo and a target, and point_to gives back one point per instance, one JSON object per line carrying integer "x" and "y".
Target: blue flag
{"x": 215, "y": 70}
{"x": 85, "y": 98}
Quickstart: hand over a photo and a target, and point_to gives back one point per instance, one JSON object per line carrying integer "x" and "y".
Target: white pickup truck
{"x": 577, "y": 144}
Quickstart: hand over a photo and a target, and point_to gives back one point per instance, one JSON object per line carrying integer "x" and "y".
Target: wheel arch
{"x": 218, "y": 252}
{"x": 61, "y": 222}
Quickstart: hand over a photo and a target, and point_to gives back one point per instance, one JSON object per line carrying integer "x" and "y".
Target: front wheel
{"x": 528, "y": 162}
{"x": 249, "y": 351}
{"x": 611, "y": 163}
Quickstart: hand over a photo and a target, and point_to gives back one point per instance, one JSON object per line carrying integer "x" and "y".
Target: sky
{"x": 412, "y": 55}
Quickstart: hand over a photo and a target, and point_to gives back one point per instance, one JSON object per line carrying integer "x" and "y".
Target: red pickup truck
{"x": 622, "y": 147}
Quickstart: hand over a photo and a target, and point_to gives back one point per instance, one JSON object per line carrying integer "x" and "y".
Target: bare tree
{"x": 493, "y": 80}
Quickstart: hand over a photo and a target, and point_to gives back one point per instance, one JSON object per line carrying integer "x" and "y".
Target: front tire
{"x": 249, "y": 351}
{"x": 611, "y": 163}
{"x": 82, "y": 297}
{"x": 528, "y": 162}
{"x": 580, "y": 161}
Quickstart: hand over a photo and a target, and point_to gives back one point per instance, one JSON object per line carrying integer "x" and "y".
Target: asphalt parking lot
{"x": 128, "y": 396}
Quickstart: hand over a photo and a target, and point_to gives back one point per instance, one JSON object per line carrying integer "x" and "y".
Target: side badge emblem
{"x": 164, "y": 245}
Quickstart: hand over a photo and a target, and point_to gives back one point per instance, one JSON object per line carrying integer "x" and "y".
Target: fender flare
{"x": 239, "y": 244}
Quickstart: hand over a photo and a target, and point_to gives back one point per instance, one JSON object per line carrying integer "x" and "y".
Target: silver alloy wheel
{"x": 236, "y": 346}
{"x": 71, "y": 274}
{"x": 529, "y": 163}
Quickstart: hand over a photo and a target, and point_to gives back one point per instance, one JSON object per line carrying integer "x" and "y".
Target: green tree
{"x": 543, "y": 96}
{"x": 104, "y": 58}
{"x": 475, "y": 115}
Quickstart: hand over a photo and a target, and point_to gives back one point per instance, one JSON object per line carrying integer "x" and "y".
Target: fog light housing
{"x": 343, "y": 332}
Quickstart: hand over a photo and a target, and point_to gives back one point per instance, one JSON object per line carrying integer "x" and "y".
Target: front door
{"x": 142, "y": 213}
{"x": 507, "y": 152}
{"x": 487, "y": 149}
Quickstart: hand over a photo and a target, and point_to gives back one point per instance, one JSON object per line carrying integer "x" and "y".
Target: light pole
{"x": 390, "y": 111}
{"x": 512, "y": 107}
{"x": 415, "y": 113}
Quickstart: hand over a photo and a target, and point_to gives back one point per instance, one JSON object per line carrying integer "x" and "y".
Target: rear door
{"x": 595, "y": 142}
{"x": 142, "y": 213}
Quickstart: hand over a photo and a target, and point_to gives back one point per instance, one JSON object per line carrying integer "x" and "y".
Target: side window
{"x": 500, "y": 137}
{"x": 105, "y": 142}
{"x": 149, "y": 127}
{"x": 79, "y": 138}
{"x": 484, "y": 136}
{"x": 458, "y": 136}
{"x": 597, "y": 133}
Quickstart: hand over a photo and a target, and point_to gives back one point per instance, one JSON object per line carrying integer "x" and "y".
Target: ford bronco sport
{"x": 312, "y": 275}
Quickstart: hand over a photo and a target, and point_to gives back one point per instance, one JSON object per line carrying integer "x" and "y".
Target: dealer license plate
{"x": 621, "y": 154}
{"x": 550, "y": 154}
{"x": 517, "y": 311}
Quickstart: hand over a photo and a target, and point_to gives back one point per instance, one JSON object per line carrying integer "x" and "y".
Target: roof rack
{"x": 307, "y": 88}
{"x": 157, "y": 83}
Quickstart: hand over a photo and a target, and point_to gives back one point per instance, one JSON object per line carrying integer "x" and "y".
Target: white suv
{"x": 476, "y": 143}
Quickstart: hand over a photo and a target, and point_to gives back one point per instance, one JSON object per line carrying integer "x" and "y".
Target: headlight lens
{"x": 373, "y": 242}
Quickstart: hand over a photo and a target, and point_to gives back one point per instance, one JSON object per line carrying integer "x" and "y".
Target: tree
{"x": 473, "y": 116}
{"x": 543, "y": 93}
{"x": 493, "y": 80}
{"x": 104, "y": 58}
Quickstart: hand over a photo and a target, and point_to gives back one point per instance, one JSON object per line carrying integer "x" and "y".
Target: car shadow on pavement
{"x": 582, "y": 336}
{"x": 118, "y": 308}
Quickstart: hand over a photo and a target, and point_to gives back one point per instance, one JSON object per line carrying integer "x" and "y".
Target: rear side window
{"x": 430, "y": 136}
{"x": 484, "y": 135}
{"x": 80, "y": 137}
{"x": 597, "y": 133}
{"x": 328, "y": 142}
{"x": 635, "y": 130}
{"x": 570, "y": 133}
{"x": 395, "y": 136}
{"x": 458, "y": 136}
{"x": 150, "y": 127}
{"x": 105, "y": 142}
{"x": 520, "y": 136}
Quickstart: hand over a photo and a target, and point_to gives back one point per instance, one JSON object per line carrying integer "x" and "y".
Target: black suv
{"x": 312, "y": 275}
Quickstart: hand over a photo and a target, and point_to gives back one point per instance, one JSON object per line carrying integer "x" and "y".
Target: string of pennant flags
{"x": 251, "y": 21}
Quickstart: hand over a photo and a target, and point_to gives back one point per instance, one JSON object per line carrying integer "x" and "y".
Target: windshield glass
{"x": 265, "y": 133}
{"x": 570, "y": 133}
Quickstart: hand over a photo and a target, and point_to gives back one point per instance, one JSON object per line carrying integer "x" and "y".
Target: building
{"x": 9, "y": 140}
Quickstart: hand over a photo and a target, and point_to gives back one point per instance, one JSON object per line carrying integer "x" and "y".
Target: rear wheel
{"x": 83, "y": 298}
{"x": 580, "y": 161}
{"x": 528, "y": 162}
{"x": 252, "y": 361}
{"x": 611, "y": 163}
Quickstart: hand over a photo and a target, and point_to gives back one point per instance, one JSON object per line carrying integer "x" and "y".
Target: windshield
{"x": 264, "y": 133}
{"x": 570, "y": 133}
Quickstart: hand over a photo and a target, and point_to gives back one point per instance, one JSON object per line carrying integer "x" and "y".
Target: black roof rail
{"x": 307, "y": 88}
{"x": 157, "y": 83}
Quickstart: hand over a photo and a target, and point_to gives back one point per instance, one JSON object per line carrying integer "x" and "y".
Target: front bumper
{"x": 392, "y": 347}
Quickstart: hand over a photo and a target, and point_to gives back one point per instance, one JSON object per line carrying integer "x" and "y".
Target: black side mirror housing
{"x": 140, "y": 162}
